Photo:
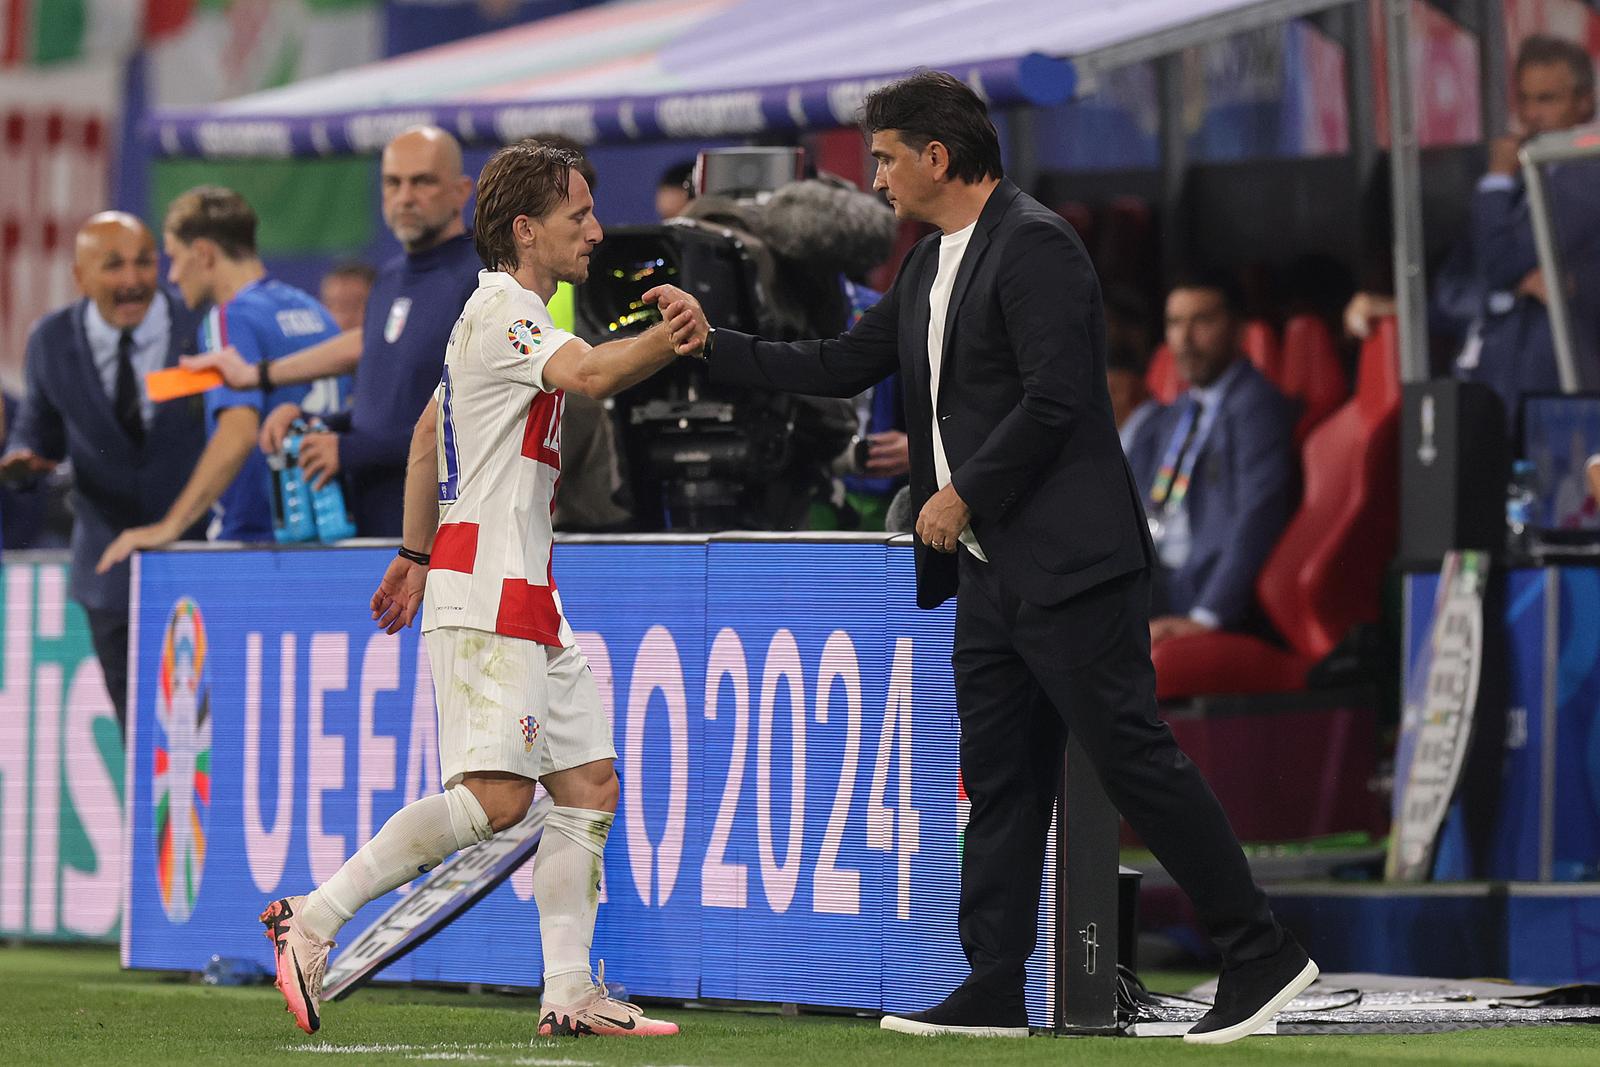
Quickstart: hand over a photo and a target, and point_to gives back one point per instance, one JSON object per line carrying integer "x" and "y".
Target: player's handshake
{"x": 684, "y": 317}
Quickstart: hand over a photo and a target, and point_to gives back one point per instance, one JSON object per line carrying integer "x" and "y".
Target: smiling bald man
{"x": 85, "y": 370}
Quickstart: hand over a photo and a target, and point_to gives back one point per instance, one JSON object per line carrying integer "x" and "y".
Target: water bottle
{"x": 327, "y": 505}
{"x": 1522, "y": 496}
{"x": 293, "y": 521}
{"x": 230, "y": 970}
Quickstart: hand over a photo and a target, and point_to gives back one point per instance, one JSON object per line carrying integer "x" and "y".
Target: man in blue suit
{"x": 1216, "y": 468}
{"x": 1510, "y": 347}
{"x": 130, "y": 457}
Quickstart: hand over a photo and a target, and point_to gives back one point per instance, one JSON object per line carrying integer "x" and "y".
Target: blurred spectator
{"x": 344, "y": 293}
{"x": 1216, "y": 468}
{"x": 129, "y": 457}
{"x": 1492, "y": 286}
{"x": 210, "y": 239}
{"x": 876, "y": 465}
{"x": 399, "y": 345}
{"x": 1510, "y": 347}
{"x": 674, "y": 190}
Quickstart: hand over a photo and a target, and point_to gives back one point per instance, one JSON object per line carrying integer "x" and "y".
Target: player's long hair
{"x": 527, "y": 178}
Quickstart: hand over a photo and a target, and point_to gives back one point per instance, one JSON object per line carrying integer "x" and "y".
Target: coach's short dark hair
{"x": 931, "y": 105}
{"x": 1203, "y": 276}
{"x": 1539, "y": 51}
{"x": 527, "y": 178}
{"x": 220, "y": 215}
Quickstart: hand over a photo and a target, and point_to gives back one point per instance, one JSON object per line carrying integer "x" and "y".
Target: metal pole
{"x": 1357, "y": 40}
{"x": 1405, "y": 181}
{"x": 1555, "y": 284}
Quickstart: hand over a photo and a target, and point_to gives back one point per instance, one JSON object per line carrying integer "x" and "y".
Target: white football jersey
{"x": 499, "y": 461}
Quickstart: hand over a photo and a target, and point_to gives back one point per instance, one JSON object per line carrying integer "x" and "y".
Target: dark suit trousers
{"x": 1025, "y": 676}
{"x": 108, "y": 630}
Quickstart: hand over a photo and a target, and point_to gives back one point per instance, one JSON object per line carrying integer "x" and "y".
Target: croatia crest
{"x": 530, "y": 732}
{"x": 395, "y": 325}
{"x": 523, "y": 335}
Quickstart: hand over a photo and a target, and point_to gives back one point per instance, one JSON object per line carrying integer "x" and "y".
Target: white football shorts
{"x": 509, "y": 704}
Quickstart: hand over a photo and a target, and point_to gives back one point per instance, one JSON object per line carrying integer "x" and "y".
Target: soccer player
{"x": 517, "y": 704}
{"x": 210, "y": 238}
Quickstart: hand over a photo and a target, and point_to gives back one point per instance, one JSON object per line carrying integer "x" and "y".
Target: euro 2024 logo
{"x": 182, "y": 760}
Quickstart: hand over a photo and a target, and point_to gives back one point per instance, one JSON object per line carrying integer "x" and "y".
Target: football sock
{"x": 412, "y": 842}
{"x": 566, "y": 888}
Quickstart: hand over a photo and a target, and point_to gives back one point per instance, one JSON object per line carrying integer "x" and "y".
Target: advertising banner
{"x": 1441, "y": 700}
{"x": 60, "y": 765}
{"x": 1543, "y": 819}
{"x": 789, "y": 826}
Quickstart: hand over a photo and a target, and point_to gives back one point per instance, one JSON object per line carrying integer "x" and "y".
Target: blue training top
{"x": 267, "y": 319}
{"x": 413, "y": 307}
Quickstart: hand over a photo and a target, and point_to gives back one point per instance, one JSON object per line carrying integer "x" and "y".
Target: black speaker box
{"x": 1455, "y": 461}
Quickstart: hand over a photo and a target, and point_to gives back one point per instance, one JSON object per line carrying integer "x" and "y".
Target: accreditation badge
{"x": 399, "y": 311}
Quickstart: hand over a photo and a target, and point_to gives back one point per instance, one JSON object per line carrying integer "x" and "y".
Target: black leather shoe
{"x": 1248, "y": 996}
{"x": 963, "y": 1013}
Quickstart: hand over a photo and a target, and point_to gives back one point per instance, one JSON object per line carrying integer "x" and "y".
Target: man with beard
{"x": 130, "y": 457}
{"x": 399, "y": 348}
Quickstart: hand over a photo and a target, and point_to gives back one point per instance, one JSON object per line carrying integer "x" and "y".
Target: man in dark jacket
{"x": 1025, "y": 500}
{"x": 86, "y": 402}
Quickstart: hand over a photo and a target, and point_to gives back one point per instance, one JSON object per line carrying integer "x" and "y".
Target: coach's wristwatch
{"x": 711, "y": 340}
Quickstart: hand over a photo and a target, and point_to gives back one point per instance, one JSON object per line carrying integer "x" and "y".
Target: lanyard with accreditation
{"x": 1171, "y": 486}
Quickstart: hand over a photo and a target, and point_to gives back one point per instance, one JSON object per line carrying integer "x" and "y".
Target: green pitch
{"x": 74, "y": 1006}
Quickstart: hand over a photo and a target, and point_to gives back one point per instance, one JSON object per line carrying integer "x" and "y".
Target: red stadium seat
{"x": 1260, "y": 343}
{"x": 1162, "y": 379}
{"x": 1312, "y": 372}
{"x": 1324, "y": 575}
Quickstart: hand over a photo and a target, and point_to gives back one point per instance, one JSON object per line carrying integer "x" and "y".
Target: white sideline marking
{"x": 457, "y": 1053}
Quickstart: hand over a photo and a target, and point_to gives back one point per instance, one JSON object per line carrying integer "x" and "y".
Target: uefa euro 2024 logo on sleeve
{"x": 182, "y": 758}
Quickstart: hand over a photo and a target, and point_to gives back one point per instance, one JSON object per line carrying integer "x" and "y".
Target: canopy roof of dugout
{"x": 663, "y": 69}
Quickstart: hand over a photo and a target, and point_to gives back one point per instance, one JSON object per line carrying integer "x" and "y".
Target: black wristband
{"x": 421, "y": 559}
{"x": 263, "y": 379}
{"x": 711, "y": 343}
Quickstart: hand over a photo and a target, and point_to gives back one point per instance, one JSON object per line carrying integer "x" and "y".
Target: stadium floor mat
{"x": 1377, "y": 1004}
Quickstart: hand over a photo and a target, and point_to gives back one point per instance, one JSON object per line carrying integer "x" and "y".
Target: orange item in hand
{"x": 174, "y": 382}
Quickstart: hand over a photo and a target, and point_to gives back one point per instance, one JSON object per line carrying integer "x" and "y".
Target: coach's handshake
{"x": 685, "y": 319}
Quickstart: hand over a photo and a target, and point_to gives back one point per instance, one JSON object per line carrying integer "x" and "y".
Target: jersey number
{"x": 450, "y": 461}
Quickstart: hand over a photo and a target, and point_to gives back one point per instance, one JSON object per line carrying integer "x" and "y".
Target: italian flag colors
{"x": 43, "y": 32}
{"x": 37, "y": 33}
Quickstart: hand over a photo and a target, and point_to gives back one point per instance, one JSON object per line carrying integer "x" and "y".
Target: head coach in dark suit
{"x": 86, "y": 402}
{"x": 1026, "y": 503}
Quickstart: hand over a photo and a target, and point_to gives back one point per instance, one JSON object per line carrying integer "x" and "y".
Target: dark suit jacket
{"x": 1239, "y": 499}
{"x": 1518, "y": 354}
{"x": 116, "y": 484}
{"x": 1022, "y": 407}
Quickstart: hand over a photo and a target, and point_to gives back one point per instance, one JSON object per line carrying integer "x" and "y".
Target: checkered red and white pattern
{"x": 499, "y": 461}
